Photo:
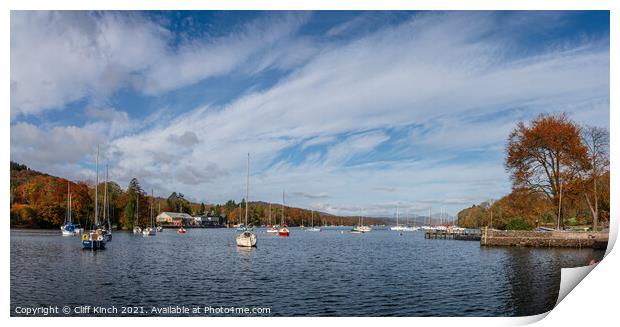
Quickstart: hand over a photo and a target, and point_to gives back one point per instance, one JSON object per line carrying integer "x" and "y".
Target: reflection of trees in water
{"x": 533, "y": 276}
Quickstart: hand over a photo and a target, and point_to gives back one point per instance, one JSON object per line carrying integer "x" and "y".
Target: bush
{"x": 572, "y": 221}
{"x": 518, "y": 224}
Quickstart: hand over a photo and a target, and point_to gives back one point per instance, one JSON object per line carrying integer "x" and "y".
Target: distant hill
{"x": 39, "y": 200}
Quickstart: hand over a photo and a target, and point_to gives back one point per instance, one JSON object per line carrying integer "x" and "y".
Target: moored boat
{"x": 312, "y": 228}
{"x": 283, "y": 231}
{"x": 150, "y": 230}
{"x": 182, "y": 230}
{"x": 94, "y": 239}
{"x": 137, "y": 229}
{"x": 69, "y": 228}
{"x": 360, "y": 228}
{"x": 107, "y": 228}
{"x": 246, "y": 238}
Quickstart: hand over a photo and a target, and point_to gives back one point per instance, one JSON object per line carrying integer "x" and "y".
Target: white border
{"x": 591, "y": 302}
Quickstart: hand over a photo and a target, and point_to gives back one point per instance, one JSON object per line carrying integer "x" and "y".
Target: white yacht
{"x": 247, "y": 238}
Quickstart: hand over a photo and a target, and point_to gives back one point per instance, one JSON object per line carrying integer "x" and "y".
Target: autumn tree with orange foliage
{"x": 546, "y": 156}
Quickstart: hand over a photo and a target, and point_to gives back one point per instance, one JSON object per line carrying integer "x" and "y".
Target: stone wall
{"x": 543, "y": 239}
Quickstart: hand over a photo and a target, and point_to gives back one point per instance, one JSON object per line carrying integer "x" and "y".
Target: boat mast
{"x": 407, "y": 216}
{"x": 312, "y": 218}
{"x": 396, "y": 213}
{"x": 107, "y": 179}
{"x": 106, "y": 212}
{"x": 69, "y": 196}
{"x": 430, "y": 216}
{"x": 361, "y": 218}
{"x": 282, "y": 219}
{"x": 152, "y": 208}
{"x": 96, "y": 188}
{"x": 270, "y": 213}
{"x": 137, "y": 206}
{"x": 247, "y": 192}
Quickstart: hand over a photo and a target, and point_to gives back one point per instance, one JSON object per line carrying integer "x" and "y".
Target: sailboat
{"x": 271, "y": 228}
{"x": 150, "y": 230}
{"x": 283, "y": 231}
{"x": 107, "y": 234}
{"x": 136, "y": 228}
{"x": 409, "y": 228}
{"x": 159, "y": 227}
{"x": 247, "y": 238}
{"x": 94, "y": 239}
{"x": 313, "y": 229}
{"x": 360, "y": 228}
{"x": 397, "y": 227}
{"x": 69, "y": 228}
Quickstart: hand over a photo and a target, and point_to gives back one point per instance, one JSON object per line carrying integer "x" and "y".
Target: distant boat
{"x": 283, "y": 231}
{"x": 360, "y": 228}
{"x": 398, "y": 227}
{"x": 409, "y": 228}
{"x": 247, "y": 238}
{"x": 182, "y": 230}
{"x": 107, "y": 234}
{"x": 137, "y": 229}
{"x": 160, "y": 229}
{"x": 94, "y": 239}
{"x": 69, "y": 228}
{"x": 271, "y": 228}
{"x": 313, "y": 229}
{"x": 150, "y": 230}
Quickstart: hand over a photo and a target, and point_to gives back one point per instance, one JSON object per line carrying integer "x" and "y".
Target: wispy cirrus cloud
{"x": 415, "y": 112}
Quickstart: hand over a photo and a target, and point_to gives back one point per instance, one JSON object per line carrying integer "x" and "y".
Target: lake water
{"x": 329, "y": 273}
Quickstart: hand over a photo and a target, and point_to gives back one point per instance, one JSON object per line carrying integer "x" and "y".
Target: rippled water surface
{"x": 330, "y": 273}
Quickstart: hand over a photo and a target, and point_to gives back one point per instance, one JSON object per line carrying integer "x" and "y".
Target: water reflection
{"x": 330, "y": 273}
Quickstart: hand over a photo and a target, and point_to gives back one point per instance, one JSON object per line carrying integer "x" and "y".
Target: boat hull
{"x": 93, "y": 245}
{"x": 68, "y": 233}
{"x": 246, "y": 240}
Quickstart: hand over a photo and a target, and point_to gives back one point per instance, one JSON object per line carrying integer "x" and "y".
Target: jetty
{"x": 462, "y": 235}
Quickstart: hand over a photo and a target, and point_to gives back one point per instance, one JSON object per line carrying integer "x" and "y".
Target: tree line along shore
{"x": 39, "y": 200}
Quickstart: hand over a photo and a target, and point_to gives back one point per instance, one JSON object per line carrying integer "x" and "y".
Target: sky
{"x": 341, "y": 110}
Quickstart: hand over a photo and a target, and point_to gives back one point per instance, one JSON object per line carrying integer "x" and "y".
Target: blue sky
{"x": 341, "y": 109}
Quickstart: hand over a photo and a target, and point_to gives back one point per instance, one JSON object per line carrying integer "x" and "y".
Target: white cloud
{"x": 91, "y": 55}
{"x": 54, "y": 146}
{"x": 436, "y": 70}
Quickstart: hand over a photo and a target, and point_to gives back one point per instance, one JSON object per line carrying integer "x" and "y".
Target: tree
{"x": 545, "y": 156}
{"x": 202, "y": 208}
{"x": 596, "y": 140}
